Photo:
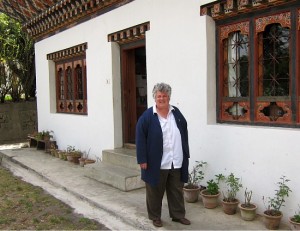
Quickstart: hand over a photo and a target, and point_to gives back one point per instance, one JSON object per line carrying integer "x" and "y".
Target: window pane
{"x": 60, "y": 75}
{"x": 275, "y": 61}
{"x": 78, "y": 71}
{"x": 237, "y": 65}
{"x": 69, "y": 83}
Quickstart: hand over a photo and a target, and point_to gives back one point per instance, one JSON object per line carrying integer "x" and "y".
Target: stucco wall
{"x": 181, "y": 51}
{"x": 17, "y": 120}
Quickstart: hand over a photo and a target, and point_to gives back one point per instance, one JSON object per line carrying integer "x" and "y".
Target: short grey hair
{"x": 162, "y": 87}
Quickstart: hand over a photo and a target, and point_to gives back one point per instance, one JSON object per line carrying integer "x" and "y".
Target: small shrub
{"x": 274, "y": 204}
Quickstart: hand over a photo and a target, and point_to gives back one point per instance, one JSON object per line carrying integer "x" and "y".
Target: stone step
{"x": 123, "y": 157}
{"x": 119, "y": 177}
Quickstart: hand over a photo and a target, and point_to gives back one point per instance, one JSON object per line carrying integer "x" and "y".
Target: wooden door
{"x": 129, "y": 95}
{"x": 134, "y": 88}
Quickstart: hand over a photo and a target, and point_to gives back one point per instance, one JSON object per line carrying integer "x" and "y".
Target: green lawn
{"x": 24, "y": 206}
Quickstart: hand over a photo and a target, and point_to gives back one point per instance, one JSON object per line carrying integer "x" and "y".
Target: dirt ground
{"x": 27, "y": 207}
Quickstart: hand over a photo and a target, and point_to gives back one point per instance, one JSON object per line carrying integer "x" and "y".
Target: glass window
{"x": 255, "y": 77}
{"x": 71, "y": 82}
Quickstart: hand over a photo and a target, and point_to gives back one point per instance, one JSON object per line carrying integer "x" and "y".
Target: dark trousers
{"x": 169, "y": 182}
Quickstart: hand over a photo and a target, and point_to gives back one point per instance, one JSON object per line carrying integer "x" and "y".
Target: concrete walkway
{"x": 116, "y": 209}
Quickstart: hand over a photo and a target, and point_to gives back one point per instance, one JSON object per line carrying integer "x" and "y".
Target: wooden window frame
{"x": 66, "y": 103}
{"x": 225, "y": 101}
{"x": 255, "y": 104}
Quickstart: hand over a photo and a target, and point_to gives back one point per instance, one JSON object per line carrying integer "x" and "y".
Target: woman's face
{"x": 162, "y": 100}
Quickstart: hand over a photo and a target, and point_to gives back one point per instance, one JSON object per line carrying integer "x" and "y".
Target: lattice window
{"x": 258, "y": 80}
{"x": 71, "y": 85}
{"x": 71, "y": 79}
{"x": 234, "y": 76}
{"x": 79, "y": 82}
{"x": 274, "y": 74}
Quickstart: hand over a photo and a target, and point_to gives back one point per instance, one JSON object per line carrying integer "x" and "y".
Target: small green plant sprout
{"x": 196, "y": 175}
{"x": 70, "y": 148}
{"x": 46, "y": 134}
{"x": 213, "y": 185}
{"x": 248, "y": 196}
{"x": 273, "y": 205}
{"x": 296, "y": 217}
{"x": 233, "y": 186}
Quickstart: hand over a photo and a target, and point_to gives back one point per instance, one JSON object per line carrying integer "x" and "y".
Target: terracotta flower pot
{"x": 209, "y": 201}
{"x": 230, "y": 207}
{"x": 294, "y": 225}
{"x": 191, "y": 195}
{"x": 89, "y": 161}
{"x": 271, "y": 221}
{"x": 248, "y": 213}
{"x": 69, "y": 157}
{"x": 82, "y": 162}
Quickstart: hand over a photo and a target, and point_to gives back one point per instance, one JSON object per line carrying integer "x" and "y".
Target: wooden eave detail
{"x": 66, "y": 14}
{"x": 222, "y": 9}
{"x": 129, "y": 34}
{"x": 68, "y": 52}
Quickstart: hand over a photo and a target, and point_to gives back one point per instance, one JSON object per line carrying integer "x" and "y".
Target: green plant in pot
{"x": 272, "y": 214}
{"x": 230, "y": 202}
{"x": 73, "y": 155}
{"x": 192, "y": 188}
{"x": 46, "y": 134}
{"x": 248, "y": 209}
{"x": 211, "y": 194}
{"x": 295, "y": 220}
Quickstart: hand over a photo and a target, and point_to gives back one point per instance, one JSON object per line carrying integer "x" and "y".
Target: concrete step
{"x": 123, "y": 157}
{"x": 119, "y": 177}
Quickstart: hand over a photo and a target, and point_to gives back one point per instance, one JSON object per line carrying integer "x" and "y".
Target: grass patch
{"x": 27, "y": 207}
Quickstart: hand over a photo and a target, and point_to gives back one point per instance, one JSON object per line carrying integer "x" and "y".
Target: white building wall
{"x": 180, "y": 47}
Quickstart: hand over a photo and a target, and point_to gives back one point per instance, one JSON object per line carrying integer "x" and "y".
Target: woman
{"x": 163, "y": 154}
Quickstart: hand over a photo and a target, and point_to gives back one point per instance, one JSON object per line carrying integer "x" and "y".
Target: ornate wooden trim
{"x": 286, "y": 118}
{"x": 243, "y": 118}
{"x": 283, "y": 18}
{"x": 226, "y": 30}
{"x": 67, "y": 13}
{"x": 129, "y": 34}
{"x": 222, "y": 9}
{"x": 68, "y": 53}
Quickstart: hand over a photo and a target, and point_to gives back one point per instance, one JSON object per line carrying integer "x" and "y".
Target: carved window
{"x": 257, "y": 76}
{"x": 71, "y": 79}
{"x": 71, "y": 85}
{"x": 274, "y": 59}
{"x": 235, "y": 72}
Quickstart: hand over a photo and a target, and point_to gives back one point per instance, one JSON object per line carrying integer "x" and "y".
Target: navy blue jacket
{"x": 149, "y": 145}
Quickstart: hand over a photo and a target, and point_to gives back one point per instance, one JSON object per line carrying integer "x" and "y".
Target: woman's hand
{"x": 143, "y": 166}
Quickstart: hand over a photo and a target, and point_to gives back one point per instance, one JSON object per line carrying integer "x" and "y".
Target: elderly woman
{"x": 163, "y": 155}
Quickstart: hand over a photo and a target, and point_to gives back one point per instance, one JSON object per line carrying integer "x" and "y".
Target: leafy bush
{"x": 275, "y": 203}
{"x": 195, "y": 175}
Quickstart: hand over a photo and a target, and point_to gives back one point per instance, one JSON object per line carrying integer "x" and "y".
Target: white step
{"x": 123, "y": 157}
{"x": 121, "y": 178}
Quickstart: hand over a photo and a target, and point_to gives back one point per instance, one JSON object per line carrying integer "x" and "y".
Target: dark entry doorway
{"x": 134, "y": 87}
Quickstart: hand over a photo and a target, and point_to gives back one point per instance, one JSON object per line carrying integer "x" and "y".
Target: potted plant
{"x": 85, "y": 159}
{"x": 53, "y": 149}
{"x": 211, "y": 194}
{"x": 295, "y": 220}
{"x": 192, "y": 188}
{"x": 248, "y": 209}
{"x": 73, "y": 155}
{"x": 39, "y": 136}
{"x": 229, "y": 201}
{"x": 46, "y": 135}
{"x": 272, "y": 214}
